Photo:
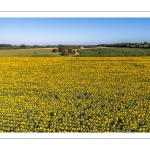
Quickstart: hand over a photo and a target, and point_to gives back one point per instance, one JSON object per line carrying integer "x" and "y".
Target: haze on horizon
{"x": 73, "y": 31}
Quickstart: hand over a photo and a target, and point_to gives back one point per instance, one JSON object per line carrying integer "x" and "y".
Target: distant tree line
{"x": 23, "y": 46}
{"x": 69, "y": 49}
{"x": 128, "y": 45}
{"x": 91, "y": 46}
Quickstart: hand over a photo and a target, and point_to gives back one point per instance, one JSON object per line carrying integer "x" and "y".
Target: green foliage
{"x": 112, "y": 52}
{"x": 70, "y": 51}
{"x": 66, "y": 49}
{"x": 65, "y": 52}
{"x": 145, "y": 43}
{"x": 22, "y": 46}
{"x": 55, "y": 50}
{"x": 61, "y": 48}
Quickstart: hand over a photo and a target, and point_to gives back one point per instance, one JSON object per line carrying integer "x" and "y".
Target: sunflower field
{"x": 75, "y": 94}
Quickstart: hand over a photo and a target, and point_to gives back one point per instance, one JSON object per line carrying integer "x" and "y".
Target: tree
{"x": 55, "y": 50}
{"x": 70, "y": 50}
{"x": 22, "y": 46}
{"x": 145, "y": 43}
{"x": 65, "y": 52}
{"x": 127, "y": 45}
{"x": 48, "y": 46}
{"x": 61, "y": 48}
{"x": 137, "y": 45}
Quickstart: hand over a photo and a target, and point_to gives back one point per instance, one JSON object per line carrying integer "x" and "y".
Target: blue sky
{"x": 73, "y": 31}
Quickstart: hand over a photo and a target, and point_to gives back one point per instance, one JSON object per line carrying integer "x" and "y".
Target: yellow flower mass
{"x": 75, "y": 94}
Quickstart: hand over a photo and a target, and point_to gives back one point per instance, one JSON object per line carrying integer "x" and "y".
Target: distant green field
{"x": 39, "y": 52}
{"x": 105, "y": 52}
{"x": 94, "y": 52}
